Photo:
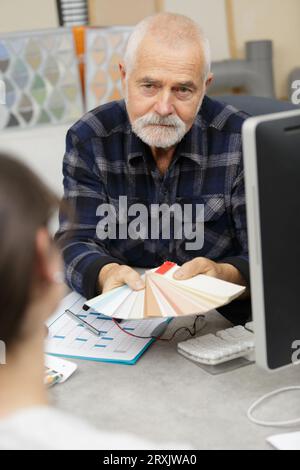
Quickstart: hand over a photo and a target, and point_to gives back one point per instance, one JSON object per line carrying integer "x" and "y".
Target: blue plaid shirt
{"x": 104, "y": 159}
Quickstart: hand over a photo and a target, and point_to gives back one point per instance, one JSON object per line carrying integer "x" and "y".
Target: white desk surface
{"x": 165, "y": 397}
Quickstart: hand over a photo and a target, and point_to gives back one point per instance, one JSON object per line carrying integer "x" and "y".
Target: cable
{"x": 270, "y": 423}
{"x": 159, "y": 338}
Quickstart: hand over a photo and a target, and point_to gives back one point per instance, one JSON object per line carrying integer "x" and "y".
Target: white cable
{"x": 270, "y": 423}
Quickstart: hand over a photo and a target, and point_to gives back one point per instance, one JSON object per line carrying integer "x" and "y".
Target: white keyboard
{"x": 224, "y": 346}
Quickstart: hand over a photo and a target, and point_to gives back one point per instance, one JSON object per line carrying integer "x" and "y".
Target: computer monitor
{"x": 271, "y": 146}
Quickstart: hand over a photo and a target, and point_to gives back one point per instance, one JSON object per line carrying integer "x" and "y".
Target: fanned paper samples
{"x": 165, "y": 296}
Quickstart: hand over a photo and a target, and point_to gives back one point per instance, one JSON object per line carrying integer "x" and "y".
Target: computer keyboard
{"x": 224, "y": 346}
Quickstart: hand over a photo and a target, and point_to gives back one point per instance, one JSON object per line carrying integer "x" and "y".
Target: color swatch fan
{"x": 165, "y": 296}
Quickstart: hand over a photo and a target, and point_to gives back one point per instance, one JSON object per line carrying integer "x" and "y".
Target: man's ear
{"x": 42, "y": 249}
{"x": 209, "y": 80}
{"x": 123, "y": 77}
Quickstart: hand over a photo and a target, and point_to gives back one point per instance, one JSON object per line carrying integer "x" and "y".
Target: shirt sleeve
{"x": 239, "y": 221}
{"x": 83, "y": 252}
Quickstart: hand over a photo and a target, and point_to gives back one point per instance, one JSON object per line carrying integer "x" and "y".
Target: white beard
{"x": 157, "y": 131}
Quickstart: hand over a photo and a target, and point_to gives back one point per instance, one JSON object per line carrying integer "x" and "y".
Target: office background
{"x": 228, "y": 23}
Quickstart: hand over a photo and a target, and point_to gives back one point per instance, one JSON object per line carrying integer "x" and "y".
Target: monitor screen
{"x": 272, "y": 178}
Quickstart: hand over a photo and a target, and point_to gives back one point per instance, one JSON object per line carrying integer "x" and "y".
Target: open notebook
{"x": 164, "y": 296}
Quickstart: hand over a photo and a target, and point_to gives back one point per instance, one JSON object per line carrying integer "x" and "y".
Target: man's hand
{"x": 223, "y": 271}
{"x": 114, "y": 275}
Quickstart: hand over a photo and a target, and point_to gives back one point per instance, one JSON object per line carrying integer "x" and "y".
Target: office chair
{"x": 256, "y": 105}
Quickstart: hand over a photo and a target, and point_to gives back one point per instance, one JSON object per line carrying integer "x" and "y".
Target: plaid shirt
{"x": 104, "y": 159}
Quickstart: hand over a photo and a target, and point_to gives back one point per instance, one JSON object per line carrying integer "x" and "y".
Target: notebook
{"x": 69, "y": 339}
{"x": 165, "y": 296}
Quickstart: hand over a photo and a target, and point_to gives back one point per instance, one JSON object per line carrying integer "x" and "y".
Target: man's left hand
{"x": 224, "y": 271}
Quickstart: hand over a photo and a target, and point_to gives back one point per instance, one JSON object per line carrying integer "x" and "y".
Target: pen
{"x": 83, "y": 323}
{"x": 52, "y": 378}
{"x": 86, "y": 307}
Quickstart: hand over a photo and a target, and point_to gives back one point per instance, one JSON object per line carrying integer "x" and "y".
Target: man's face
{"x": 164, "y": 91}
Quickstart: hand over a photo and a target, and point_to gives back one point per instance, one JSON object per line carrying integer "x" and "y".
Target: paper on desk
{"x": 69, "y": 339}
{"x": 288, "y": 441}
{"x": 62, "y": 367}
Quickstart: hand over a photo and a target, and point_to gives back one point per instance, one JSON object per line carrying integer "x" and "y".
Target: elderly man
{"x": 167, "y": 143}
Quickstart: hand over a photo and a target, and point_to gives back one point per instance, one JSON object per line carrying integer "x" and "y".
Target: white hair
{"x": 171, "y": 29}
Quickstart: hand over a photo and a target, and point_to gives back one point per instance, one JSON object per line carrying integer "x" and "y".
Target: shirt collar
{"x": 192, "y": 145}
{"x": 135, "y": 147}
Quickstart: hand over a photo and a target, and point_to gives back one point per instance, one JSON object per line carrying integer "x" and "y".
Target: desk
{"x": 165, "y": 397}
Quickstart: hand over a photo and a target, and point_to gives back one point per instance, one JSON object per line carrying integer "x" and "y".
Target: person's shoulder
{"x": 103, "y": 121}
{"x": 25, "y": 429}
{"x": 221, "y": 116}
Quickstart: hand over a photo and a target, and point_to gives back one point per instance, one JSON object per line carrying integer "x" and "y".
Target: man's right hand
{"x": 114, "y": 275}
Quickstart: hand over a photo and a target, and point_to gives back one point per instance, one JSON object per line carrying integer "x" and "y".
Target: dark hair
{"x": 26, "y": 204}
